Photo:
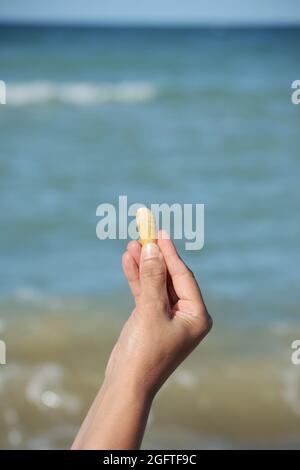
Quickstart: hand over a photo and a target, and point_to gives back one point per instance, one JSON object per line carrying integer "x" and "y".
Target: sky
{"x": 152, "y": 11}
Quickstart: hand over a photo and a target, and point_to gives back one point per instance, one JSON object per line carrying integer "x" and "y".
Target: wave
{"x": 80, "y": 94}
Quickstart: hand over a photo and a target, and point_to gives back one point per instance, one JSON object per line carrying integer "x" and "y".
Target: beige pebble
{"x": 146, "y": 226}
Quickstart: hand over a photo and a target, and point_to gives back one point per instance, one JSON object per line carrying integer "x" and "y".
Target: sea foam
{"x": 80, "y": 93}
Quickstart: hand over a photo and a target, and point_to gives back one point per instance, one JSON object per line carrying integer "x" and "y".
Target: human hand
{"x": 167, "y": 323}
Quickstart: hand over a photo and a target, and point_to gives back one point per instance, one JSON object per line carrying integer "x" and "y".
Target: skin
{"x": 169, "y": 320}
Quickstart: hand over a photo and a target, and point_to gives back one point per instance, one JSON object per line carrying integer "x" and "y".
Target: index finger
{"x": 184, "y": 283}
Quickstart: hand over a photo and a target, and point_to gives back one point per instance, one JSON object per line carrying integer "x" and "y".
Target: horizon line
{"x": 147, "y": 24}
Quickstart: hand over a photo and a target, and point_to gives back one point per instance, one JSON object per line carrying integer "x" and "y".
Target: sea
{"x": 162, "y": 115}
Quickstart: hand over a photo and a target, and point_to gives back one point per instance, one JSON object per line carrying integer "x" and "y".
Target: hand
{"x": 168, "y": 321}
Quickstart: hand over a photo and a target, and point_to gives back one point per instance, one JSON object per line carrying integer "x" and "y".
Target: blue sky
{"x": 154, "y": 11}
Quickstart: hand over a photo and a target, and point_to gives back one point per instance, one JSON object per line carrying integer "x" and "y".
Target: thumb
{"x": 153, "y": 274}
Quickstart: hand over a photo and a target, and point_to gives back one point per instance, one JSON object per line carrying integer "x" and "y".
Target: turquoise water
{"x": 159, "y": 115}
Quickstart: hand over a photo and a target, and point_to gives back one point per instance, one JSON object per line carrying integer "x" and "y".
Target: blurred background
{"x": 163, "y": 103}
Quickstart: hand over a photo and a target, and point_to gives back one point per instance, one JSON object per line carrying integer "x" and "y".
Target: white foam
{"x": 185, "y": 379}
{"x": 78, "y": 93}
{"x": 28, "y": 294}
{"x": 45, "y": 389}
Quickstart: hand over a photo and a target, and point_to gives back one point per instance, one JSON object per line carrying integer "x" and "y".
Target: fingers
{"x": 130, "y": 262}
{"x": 131, "y": 272}
{"x": 180, "y": 281}
{"x": 173, "y": 297}
{"x": 185, "y": 285}
{"x": 153, "y": 275}
{"x": 134, "y": 247}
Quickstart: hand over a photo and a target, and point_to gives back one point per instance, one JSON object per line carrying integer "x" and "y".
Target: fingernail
{"x": 164, "y": 235}
{"x": 150, "y": 250}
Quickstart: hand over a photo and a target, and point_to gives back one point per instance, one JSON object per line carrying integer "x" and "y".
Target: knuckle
{"x": 124, "y": 257}
{"x": 153, "y": 270}
{"x": 151, "y": 307}
{"x": 202, "y": 326}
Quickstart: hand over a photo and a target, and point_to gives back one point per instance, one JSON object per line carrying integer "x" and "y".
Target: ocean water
{"x": 159, "y": 115}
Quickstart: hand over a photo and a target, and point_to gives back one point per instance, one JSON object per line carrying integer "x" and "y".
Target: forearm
{"x": 164, "y": 327}
{"x": 116, "y": 420}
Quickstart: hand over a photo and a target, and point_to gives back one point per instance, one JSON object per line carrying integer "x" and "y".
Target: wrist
{"x": 128, "y": 387}
{"x": 117, "y": 418}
